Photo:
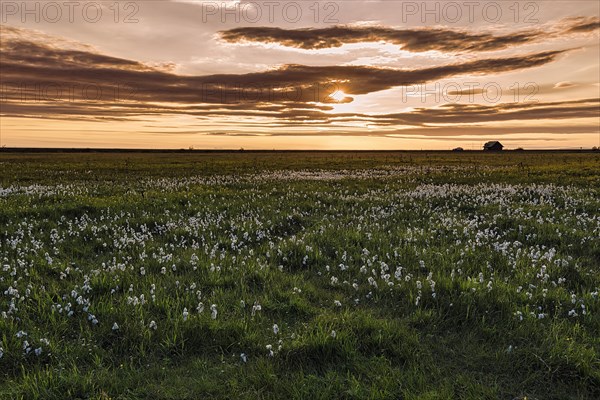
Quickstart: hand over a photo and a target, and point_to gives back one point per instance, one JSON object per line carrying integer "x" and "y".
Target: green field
{"x": 300, "y": 275}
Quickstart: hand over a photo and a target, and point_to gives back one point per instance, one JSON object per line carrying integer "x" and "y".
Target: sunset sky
{"x": 300, "y": 75}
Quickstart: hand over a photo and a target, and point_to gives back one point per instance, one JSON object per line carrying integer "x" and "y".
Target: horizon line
{"x": 242, "y": 150}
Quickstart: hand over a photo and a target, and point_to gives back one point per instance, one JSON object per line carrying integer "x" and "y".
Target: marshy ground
{"x": 300, "y": 275}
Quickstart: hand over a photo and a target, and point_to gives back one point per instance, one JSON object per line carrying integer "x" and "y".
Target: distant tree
{"x": 519, "y": 149}
{"x": 595, "y": 148}
{"x": 493, "y": 145}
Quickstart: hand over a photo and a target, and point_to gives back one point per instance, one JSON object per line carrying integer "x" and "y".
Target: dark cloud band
{"x": 414, "y": 40}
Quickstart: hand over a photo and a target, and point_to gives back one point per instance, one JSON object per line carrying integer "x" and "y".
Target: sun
{"x": 338, "y": 95}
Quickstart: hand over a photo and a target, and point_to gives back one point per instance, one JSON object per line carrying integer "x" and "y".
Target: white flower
{"x": 256, "y": 307}
{"x": 185, "y": 314}
{"x": 213, "y": 310}
{"x": 270, "y": 348}
{"x": 21, "y": 334}
{"x": 337, "y": 303}
{"x": 1, "y": 352}
{"x": 333, "y": 334}
{"x": 244, "y": 357}
{"x": 153, "y": 325}
{"x": 38, "y": 351}
{"x": 275, "y": 329}
{"x": 115, "y": 327}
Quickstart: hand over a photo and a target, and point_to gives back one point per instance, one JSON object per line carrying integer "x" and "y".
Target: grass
{"x": 388, "y": 275}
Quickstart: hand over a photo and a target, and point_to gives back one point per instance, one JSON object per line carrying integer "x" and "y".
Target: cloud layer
{"x": 29, "y": 66}
{"x": 42, "y": 78}
{"x": 414, "y": 40}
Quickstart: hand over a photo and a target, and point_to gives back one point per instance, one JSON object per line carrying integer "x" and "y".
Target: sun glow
{"x": 338, "y": 95}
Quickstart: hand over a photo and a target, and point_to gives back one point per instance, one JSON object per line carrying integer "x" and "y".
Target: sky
{"x": 322, "y": 75}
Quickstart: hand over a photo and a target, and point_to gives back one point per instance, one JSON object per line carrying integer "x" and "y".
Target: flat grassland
{"x": 300, "y": 275}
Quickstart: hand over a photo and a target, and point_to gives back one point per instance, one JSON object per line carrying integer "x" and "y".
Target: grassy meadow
{"x": 291, "y": 275}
